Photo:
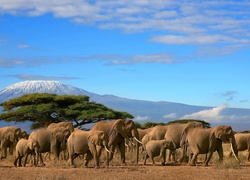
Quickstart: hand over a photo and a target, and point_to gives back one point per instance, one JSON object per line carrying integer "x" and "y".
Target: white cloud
{"x": 170, "y": 116}
{"x": 172, "y": 22}
{"x": 210, "y": 115}
{"x": 142, "y": 118}
{"x": 215, "y": 20}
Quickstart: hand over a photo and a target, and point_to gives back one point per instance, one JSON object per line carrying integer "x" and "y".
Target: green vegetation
{"x": 43, "y": 108}
{"x": 182, "y": 121}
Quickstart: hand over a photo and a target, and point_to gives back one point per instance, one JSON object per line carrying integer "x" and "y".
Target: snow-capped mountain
{"x": 143, "y": 111}
{"x": 27, "y": 87}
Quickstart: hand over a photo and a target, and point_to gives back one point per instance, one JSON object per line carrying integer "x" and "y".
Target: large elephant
{"x": 63, "y": 125}
{"x": 85, "y": 142}
{"x": 206, "y": 141}
{"x": 175, "y": 131}
{"x": 9, "y": 135}
{"x": 158, "y": 132}
{"x": 242, "y": 141}
{"x": 117, "y": 131}
{"x": 50, "y": 140}
{"x": 157, "y": 148}
{"x": 25, "y": 147}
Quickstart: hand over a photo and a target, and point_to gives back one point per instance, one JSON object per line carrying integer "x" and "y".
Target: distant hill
{"x": 143, "y": 111}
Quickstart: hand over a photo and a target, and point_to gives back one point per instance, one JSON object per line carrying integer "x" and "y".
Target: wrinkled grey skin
{"x": 157, "y": 148}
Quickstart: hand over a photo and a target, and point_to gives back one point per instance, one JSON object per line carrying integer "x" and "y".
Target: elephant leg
{"x": 220, "y": 153}
{"x": 111, "y": 154}
{"x": 15, "y": 161}
{"x": 95, "y": 150}
{"x": 25, "y": 159}
{"x": 71, "y": 159}
{"x": 163, "y": 156}
{"x": 88, "y": 158}
{"x": 41, "y": 159}
{"x": 152, "y": 158}
{"x": 193, "y": 160}
{"x": 11, "y": 147}
{"x": 145, "y": 158}
{"x": 122, "y": 151}
{"x": 4, "y": 153}
{"x": 20, "y": 161}
{"x": 209, "y": 155}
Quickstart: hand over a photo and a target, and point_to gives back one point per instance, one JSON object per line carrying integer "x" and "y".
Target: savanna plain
{"x": 228, "y": 169}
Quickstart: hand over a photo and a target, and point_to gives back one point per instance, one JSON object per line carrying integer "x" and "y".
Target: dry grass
{"x": 228, "y": 169}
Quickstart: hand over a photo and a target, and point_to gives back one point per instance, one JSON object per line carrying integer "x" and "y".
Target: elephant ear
{"x": 31, "y": 144}
{"x": 96, "y": 137}
{"x": 9, "y": 135}
{"x": 220, "y": 133}
{"x": 119, "y": 127}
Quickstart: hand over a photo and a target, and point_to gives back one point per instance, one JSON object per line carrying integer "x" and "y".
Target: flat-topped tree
{"x": 43, "y": 108}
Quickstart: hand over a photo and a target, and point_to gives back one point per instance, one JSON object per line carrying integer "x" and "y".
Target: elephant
{"x": 24, "y": 134}
{"x": 143, "y": 132}
{"x": 206, "y": 141}
{"x": 155, "y": 133}
{"x": 175, "y": 132}
{"x": 63, "y": 125}
{"x": 157, "y": 148}
{"x": 84, "y": 142}
{"x": 242, "y": 141}
{"x": 25, "y": 147}
{"x": 9, "y": 135}
{"x": 131, "y": 143}
{"x": 50, "y": 140}
{"x": 158, "y": 132}
{"x": 117, "y": 131}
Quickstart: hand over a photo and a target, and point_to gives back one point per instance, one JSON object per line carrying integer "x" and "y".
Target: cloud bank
{"x": 180, "y": 22}
{"x": 211, "y": 115}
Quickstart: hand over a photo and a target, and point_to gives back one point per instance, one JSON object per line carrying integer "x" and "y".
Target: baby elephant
{"x": 157, "y": 148}
{"x": 24, "y": 147}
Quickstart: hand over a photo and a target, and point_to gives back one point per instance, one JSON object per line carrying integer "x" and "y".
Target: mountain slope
{"x": 142, "y": 110}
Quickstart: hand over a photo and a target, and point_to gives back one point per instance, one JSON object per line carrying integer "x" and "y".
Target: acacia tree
{"x": 43, "y": 108}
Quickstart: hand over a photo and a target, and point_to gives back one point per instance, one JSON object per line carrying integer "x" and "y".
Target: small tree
{"x": 43, "y": 108}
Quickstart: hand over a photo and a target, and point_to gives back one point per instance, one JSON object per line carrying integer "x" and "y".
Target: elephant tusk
{"x": 137, "y": 140}
{"x": 132, "y": 142}
{"x": 234, "y": 153}
{"x": 126, "y": 144}
{"x": 107, "y": 149}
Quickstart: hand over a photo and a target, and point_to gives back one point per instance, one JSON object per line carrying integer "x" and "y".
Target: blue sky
{"x": 192, "y": 52}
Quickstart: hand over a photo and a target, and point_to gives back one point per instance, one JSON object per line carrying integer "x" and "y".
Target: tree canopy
{"x": 181, "y": 121}
{"x": 184, "y": 121}
{"x": 43, "y": 108}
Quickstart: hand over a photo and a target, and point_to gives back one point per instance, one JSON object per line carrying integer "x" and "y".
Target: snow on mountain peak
{"x": 27, "y": 87}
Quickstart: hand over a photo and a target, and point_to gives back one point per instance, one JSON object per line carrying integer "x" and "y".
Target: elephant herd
{"x": 192, "y": 138}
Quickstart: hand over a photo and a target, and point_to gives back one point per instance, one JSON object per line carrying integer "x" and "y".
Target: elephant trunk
{"x": 135, "y": 135}
{"x": 234, "y": 148}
